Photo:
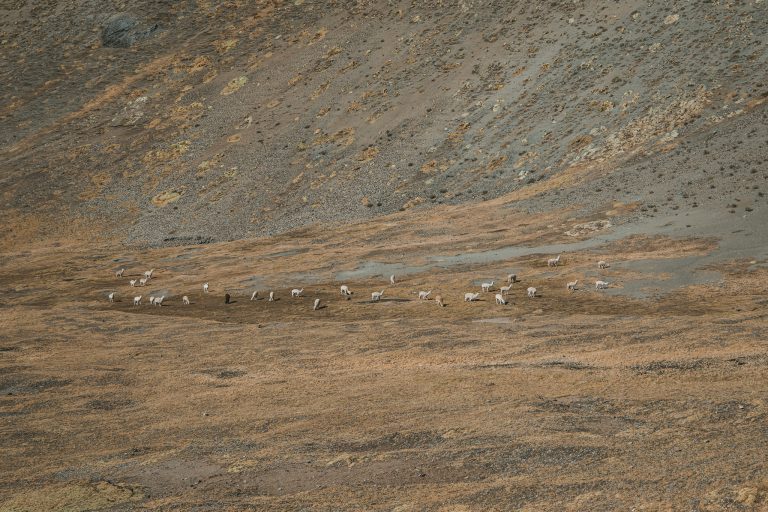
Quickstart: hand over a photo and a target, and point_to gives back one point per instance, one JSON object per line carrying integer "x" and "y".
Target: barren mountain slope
{"x": 235, "y": 119}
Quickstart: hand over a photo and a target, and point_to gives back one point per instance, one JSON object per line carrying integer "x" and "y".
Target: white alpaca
{"x": 553, "y": 262}
{"x": 152, "y": 301}
{"x": 120, "y": 272}
{"x": 296, "y": 292}
{"x": 148, "y": 274}
{"x": 376, "y": 296}
{"x": 345, "y": 290}
{"x": 143, "y": 281}
{"x": 254, "y": 295}
{"x": 132, "y": 282}
{"x": 469, "y": 296}
{"x": 185, "y": 300}
{"x": 439, "y": 300}
{"x": 487, "y": 286}
{"x": 159, "y": 300}
{"x": 531, "y": 291}
{"x": 512, "y": 278}
{"x": 271, "y": 296}
{"x": 601, "y": 285}
{"x": 572, "y": 285}
{"x": 602, "y": 264}
{"x": 424, "y": 295}
{"x": 500, "y": 299}
{"x": 316, "y": 305}
{"x": 111, "y": 297}
{"x": 137, "y": 301}
{"x": 205, "y": 287}
{"x": 392, "y": 279}
{"x": 505, "y": 289}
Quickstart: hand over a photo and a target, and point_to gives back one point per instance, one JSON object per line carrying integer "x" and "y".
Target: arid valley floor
{"x": 270, "y": 145}
{"x": 585, "y": 400}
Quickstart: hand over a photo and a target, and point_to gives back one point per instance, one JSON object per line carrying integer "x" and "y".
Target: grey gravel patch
{"x": 174, "y": 241}
{"x": 681, "y": 272}
{"x": 391, "y": 442}
{"x": 109, "y": 404}
{"x": 660, "y": 367}
{"x": 500, "y": 365}
{"x": 24, "y": 386}
{"x": 224, "y": 373}
{"x": 374, "y": 268}
{"x": 289, "y": 252}
{"x": 254, "y": 283}
{"x": 500, "y": 320}
{"x": 568, "y": 365}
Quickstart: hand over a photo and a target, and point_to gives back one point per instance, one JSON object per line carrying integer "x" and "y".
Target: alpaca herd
{"x": 376, "y": 296}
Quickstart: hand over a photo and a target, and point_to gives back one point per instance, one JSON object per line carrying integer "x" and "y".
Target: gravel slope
{"x": 244, "y": 119}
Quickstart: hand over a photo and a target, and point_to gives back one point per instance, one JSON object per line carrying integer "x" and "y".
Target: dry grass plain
{"x": 571, "y": 401}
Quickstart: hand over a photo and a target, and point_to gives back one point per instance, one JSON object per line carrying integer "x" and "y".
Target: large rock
{"x": 123, "y": 30}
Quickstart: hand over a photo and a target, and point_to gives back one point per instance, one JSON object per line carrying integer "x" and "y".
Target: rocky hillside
{"x": 182, "y": 122}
